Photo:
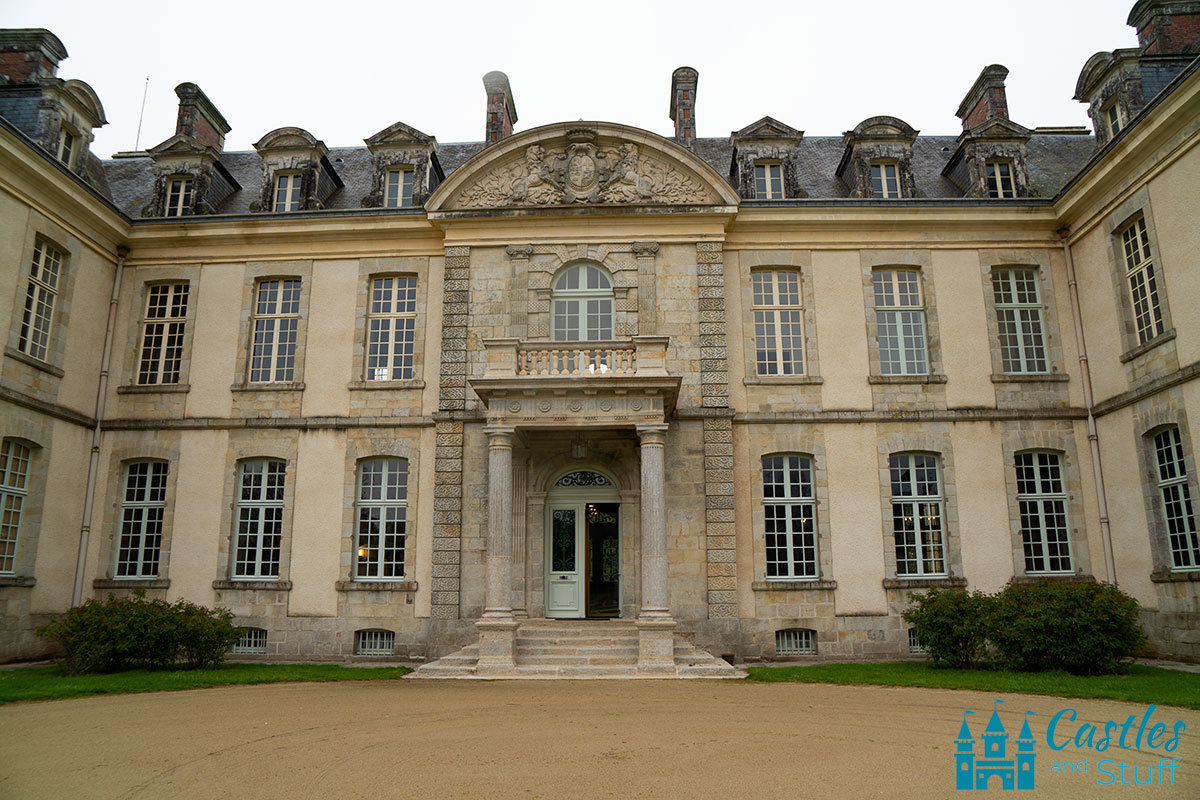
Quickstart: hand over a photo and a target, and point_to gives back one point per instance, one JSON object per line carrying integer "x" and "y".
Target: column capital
{"x": 500, "y": 436}
{"x": 652, "y": 433}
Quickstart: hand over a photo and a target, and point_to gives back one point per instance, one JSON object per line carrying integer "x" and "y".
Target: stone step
{"x": 590, "y": 641}
{"x": 594, "y": 650}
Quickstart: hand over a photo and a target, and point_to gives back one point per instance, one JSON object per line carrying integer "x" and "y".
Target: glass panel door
{"x": 564, "y": 578}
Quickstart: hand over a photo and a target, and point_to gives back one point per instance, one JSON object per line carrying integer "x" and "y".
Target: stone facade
{"x": 629, "y": 386}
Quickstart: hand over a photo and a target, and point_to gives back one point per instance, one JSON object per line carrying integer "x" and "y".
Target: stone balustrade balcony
{"x": 637, "y": 356}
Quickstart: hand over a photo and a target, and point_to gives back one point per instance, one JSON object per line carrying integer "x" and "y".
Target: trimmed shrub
{"x": 136, "y": 633}
{"x": 1083, "y": 628}
{"x": 951, "y": 625}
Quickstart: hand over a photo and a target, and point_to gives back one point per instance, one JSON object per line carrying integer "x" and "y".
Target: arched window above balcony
{"x": 582, "y": 304}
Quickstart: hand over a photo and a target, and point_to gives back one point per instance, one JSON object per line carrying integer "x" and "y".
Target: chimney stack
{"x": 501, "y": 110}
{"x": 986, "y": 98}
{"x": 1166, "y": 27}
{"x": 27, "y": 54}
{"x": 683, "y": 104}
{"x": 199, "y": 118}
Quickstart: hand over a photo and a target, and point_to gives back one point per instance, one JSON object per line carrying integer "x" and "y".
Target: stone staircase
{"x": 579, "y": 649}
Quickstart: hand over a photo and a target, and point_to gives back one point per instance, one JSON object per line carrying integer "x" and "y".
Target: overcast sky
{"x": 345, "y": 70}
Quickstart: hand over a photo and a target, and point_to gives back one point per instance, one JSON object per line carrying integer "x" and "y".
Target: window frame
{"x": 1138, "y": 262}
{"x": 390, "y": 464}
{"x": 581, "y": 295}
{"x": 806, "y": 568}
{"x": 140, "y": 571}
{"x": 41, "y": 300}
{"x": 1181, "y": 484}
{"x": 14, "y": 500}
{"x": 938, "y": 499}
{"x": 394, "y": 317}
{"x": 269, "y": 363}
{"x": 1112, "y": 118}
{"x": 883, "y": 191}
{"x": 171, "y": 331}
{"x": 243, "y": 569}
{"x": 1032, "y": 505}
{"x": 406, "y": 181}
{"x": 768, "y": 186}
{"x": 292, "y": 201}
{"x": 994, "y": 182}
{"x": 1027, "y": 321}
{"x": 68, "y": 140}
{"x": 773, "y": 315}
{"x": 179, "y": 203}
{"x": 895, "y": 316}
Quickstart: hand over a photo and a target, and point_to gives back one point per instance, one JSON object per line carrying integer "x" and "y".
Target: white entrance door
{"x": 565, "y": 557}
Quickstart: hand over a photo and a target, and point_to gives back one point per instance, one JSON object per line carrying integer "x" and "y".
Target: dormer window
{"x": 399, "y": 188}
{"x": 768, "y": 180}
{"x": 885, "y": 181}
{"x": 1000, "y": 180}
{"x": 66, "y": 146}
{"x": 1112, "y": 118}
{"x": 179, "y": 197}
{"x": 287, "y": 191}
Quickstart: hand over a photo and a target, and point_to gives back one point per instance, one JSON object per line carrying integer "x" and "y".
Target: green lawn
{"x": 48, "y": 683}
{"x": 1138, "y": 684}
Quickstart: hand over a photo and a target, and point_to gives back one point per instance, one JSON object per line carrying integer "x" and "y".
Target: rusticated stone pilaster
{"x": 718, "y": 434}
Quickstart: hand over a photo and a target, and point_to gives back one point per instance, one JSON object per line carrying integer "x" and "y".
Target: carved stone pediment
{"x": 593, "y": 165}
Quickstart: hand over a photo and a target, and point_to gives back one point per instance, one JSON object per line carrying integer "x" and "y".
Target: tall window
{"x": 14, "y": 475}
{"x": 1000, "y": 179}
{"x": 162, "y": 334}
{"x": 66, "y": 146}
{"x": 768, "y": 181}
{"x": 179, "y": 197}
{"x": 1019, "y": 319}
{"x": 1042, "y": 501}
{"x": 778, "y": 332}
{"x": 900, "y": 322}
{"x": 259, "y": 518}
{"x": 1112, "y": 118}
{"x": 885, "y": 180}
{"x": 399, "y": 188}
{"x": 1142, "y": 278}
{"x": 583, "y": 304}
{"x": 276, "y": 321}
{"x": 1176, "y": 500}
{"x": 917, "y": 515}
{"x": 38, "y": 316}
{"x": 382, "y": 512}
{"x": 142, "y": 509}
{"x": 287, "y": 191}
{"x": 391, "y": 328}
{"x": 789, "y": 509}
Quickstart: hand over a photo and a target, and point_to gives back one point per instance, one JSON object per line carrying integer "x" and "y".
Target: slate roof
{"x": 1053, "y": 160}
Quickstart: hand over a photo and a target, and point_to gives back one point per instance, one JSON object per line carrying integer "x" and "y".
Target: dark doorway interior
{"x": 603, "y": 560}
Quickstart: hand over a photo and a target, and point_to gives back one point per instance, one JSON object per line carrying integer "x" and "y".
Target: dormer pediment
{"x": 290, "y": 139}
{"x": 88, "y": 99}
{"x": 400, "y": 135}
{"x": 1097, "y": 68}
{"x": 767, "y": 128}
{"x": 884, "y": 127}
{"x": 180, "y": 145}
{"x": 998, "y": 128}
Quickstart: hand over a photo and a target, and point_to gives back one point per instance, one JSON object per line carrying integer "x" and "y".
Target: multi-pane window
{"x": 789, "y": 510}
{"x": 1019, "y": 320}
{"x": 583, "y": 305}
{"x": 259, "y": 537}
{"x": 885, "y": 180}
{"x": 1176, "y": 500}
{"x": 1000, "y": 179}
{"x": 40, "y": 294}
{"x": 276, "y": 322}
{"x": 768, "y": 181}
{"x": 1142, "y": 278}
{"x": 900, "y": 322}
{"x": 1042, "y": 502}
{"x": 914, "y": 643}
{"x": 179, "y": 197}
{"x": 142, "y": 508}
{"x": 14, "y": 477}
{"x": 287, "y": 191}
{"x": 1112, "y": 118}
{"x": 253, "y": 640}
{"x": 917, "y": 515}
{"x": 382, "y": 512}
{"x": 374, "y": 643}
{"x": 778, "y": 332}
{"x": 391, "y": 328}
{"x": 795, "y": 642}
{"x": 398, "y": 188}
{"x": 66, "y": 146}
{"x": 162, "y": 334}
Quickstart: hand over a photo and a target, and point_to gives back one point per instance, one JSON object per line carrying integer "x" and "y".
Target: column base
{"x": 497, "y": 644}
{"x": 656, "y": 645}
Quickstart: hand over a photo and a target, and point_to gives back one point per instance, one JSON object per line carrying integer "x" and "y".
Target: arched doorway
{"x": 583, "y": 546}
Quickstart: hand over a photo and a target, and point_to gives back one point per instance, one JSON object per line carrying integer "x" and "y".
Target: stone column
{"x": 497, "y": 628}
{"x": 656, "y": 638}
{"x": 519, "y": 548}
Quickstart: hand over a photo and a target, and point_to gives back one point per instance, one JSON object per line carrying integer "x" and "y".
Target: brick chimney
{"x": 683, "y": 104}
{"x": 986, "y": 98}
{"x": 1166, "y": 27}
{"x": 27, "y": 54}
{"x": 501, "y": 110}
{"x": 199, "y": 118}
